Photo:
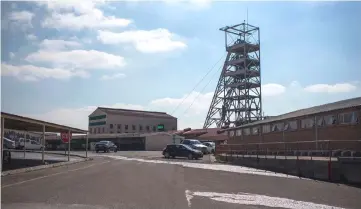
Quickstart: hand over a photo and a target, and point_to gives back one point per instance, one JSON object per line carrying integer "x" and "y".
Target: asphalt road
{"x": 114, "y": 182}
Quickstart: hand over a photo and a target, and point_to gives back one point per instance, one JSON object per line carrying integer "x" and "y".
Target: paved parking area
{"x": 121, "y": 182}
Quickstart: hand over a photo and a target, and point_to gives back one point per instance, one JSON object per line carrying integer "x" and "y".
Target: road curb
{"x": 40, "y": 167}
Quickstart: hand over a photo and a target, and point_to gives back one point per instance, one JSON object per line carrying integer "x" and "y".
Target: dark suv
{"x": 105, "y": 146}
{"x": 181, "y": 150}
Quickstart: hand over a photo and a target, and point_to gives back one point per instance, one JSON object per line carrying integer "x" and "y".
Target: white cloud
{"x": 34, "y": 73}
{"x": 272, "y": 89}
{"x": 22, "y": 18}
{"x": 112, "y": 77}
{"x": 31, "y": 37}
{"x": 327, "y": 88}
{"x": 152, "y": 41}
{"x": 76, "y": 15}
{"x": 77, "y": 59}
{"x": 58, "y": 44}
{"x": 12, "y": 55}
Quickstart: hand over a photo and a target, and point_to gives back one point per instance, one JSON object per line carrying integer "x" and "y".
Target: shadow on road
{"x": 25, "y": 163}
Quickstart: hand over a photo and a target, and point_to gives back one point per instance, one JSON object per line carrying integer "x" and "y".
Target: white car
{"x": 211, "y": 146}
{"x": 28, "y": 144}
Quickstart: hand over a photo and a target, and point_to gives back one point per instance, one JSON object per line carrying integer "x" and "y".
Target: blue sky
{"x": 61, "y": 60}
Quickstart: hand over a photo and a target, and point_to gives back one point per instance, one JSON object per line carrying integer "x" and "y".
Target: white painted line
{"x": 217, "y": 167}
{"x": 54, "y": 174}
{"x": 255, "y": 199}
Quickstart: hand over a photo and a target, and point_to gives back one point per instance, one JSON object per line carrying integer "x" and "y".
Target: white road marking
{"x": 218, "y": 167}
{"x": 54, "y": 174}
{"x": 255, "y": 199}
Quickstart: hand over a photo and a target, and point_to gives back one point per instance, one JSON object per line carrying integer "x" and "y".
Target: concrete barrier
{"x": 343, "y": 170}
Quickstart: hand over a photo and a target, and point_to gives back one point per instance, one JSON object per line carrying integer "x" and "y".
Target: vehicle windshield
{"x": 195, "y": 142}
{"x": 188, "y": 147}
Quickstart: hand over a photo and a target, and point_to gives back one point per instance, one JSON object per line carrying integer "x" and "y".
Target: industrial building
{"x": 330, "y": 126}
{"x": 110, "y": 120}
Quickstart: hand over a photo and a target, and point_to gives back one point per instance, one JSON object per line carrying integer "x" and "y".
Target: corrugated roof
{"x": 343, "y": 104}
{"x": 137, "y": 112}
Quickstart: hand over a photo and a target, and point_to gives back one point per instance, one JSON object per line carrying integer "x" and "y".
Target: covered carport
{"x": 20, "y": 123}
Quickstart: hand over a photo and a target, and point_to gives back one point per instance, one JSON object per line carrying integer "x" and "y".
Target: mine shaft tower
{"x": 237, "y": 98}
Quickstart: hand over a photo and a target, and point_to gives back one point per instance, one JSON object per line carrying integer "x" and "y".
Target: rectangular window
{"x": 320, "y": 121}
{"x": 140, "y": 127}
{"x": 119, "y": 126}
{"x": 278, "y": 127}
{"x": 347, "y": 118}
{"x": 103, "y": 130}
{"x": 154, "y": 128}
{"x": 90, "y": 130}
{"x": 133, "y": 127}
{"x": 239, "y": 132}
{"x": 98, "y": 117}
{"x": 293, "y": 125}
{"x": 266, "y": 128}
{"x": 111, "y": 126}
{"x": 307, "y": 123}
{"x": 246, "y": 131}
{"x": 111, "y": 132}
{"x": 98, "y": 130}
{"x": 147, "y": 127}
{"x": 126, "y": 127}
{"x": 231, "y": 133}
{"x": 118, "y": 132}
{"x": 97, "y": 123}
{"x": 330, "y": 120}
{"x": 255, "y": 131}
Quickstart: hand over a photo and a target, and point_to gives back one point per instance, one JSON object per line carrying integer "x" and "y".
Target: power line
{"x": 202, "y": 90}
{"x": 199, "y": 83}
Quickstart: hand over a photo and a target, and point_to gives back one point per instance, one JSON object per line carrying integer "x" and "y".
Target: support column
{"x": 69, "y": 139}
{"x": 86, "y": 145}
{"x": 43, "y": 144}
{"x": 2, "y": 141}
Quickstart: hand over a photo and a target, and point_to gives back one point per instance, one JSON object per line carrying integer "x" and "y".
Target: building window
{"x": 277, "y": 126}
{"x": 119, "y": 126}
{"x": 140, "y": 127}
{"x": 133, "y": 127}
{"x": 266, "y": 128}
{"x": 110, "y": 126}
{"x": 90, "y": 130}
{"x": 307, "y": 123}
{"x": 330, "y": 120}
{"x": 231, "y": 133}
{"x": 291, "y": 125}
{"x": 255, "y": 131}
{"x": 320, "y": 121}
{"x": 126, "y": 127}
{"x": 118, "y": 132}
{"x": 246, "y": 131}
{"x": 347, "y": 118}
{"x": 111, "y": 132}
{"x": 103, "y": 130}
{"x": 147, "y": 127}
{"x": 239, "y": 132}
{"x": 154, "y": 128}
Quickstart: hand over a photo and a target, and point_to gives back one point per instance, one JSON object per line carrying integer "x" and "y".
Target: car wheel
{"x": 166, "y": 155}
{"x": 190, "y": 156}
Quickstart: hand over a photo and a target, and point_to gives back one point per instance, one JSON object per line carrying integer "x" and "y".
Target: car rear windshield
{"x": 103, "y": 142}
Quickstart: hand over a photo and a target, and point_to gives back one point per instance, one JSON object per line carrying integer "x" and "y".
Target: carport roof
{"x": 21, "y": 123}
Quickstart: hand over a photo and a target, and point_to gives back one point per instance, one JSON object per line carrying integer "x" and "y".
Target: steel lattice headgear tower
{"x": 237, "y": 98}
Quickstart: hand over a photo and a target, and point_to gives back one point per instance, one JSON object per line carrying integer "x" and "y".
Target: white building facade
{"x": 118, "y": 121}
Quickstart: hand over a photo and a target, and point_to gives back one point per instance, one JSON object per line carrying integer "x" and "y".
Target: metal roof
{"x": 17, "y": 122}
{"x": 136, "y": 112}
{"x": 343, "y": 104}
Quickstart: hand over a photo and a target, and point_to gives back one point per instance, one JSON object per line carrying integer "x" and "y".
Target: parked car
{"x": 105, "y": 146}
{"x": 9, "y": 144}
{"x": 181, "y": 150}
{"x": 195, "y": 144}
{"x": 211, "y": 146}
{"x": 6, "y": 156}
{"x": 28, "y": 144}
